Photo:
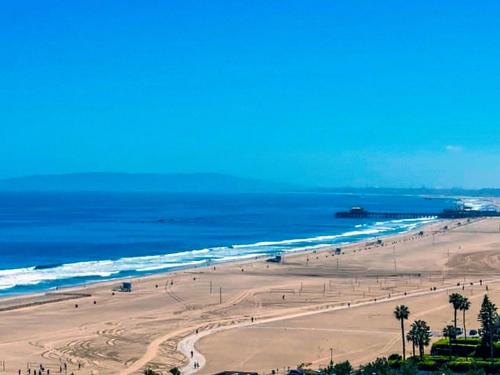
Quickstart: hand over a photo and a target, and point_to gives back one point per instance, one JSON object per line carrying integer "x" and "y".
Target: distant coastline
{"x": 217, "y": 183}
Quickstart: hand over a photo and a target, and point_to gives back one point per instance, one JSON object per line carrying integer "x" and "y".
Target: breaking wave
{"x": 50, "y": 276}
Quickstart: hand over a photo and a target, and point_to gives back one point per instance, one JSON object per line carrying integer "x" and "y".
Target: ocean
{"x": 50, "y": 240}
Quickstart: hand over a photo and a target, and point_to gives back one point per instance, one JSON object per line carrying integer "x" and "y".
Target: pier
{"x": 361, "y": 213}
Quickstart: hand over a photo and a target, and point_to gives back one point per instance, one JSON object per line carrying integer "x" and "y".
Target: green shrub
{"x": 460, "y": 364}
{"x": 379, "y": 366}
{"x": 343, "y": 368}
{"x": 484, "y": 352}
{"x": 394, "y": 357}
{"x": 459, "y": 348}
{"x": 460, "y": 340}
{"x": 406, "y": 368}
{"x": 469, "y": 340}
{"x": 428, "y": 365}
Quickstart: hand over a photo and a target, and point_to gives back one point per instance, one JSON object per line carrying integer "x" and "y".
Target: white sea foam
{"x": 112, "y": 268}
{"x": 310, "y": 239}
{"x": 478, "y": 204}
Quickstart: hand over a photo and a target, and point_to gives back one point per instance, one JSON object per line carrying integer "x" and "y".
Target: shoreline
{"x": 135, "y": 274}
{"x": 294, "y": 303}
{"x": 80, "y": 288}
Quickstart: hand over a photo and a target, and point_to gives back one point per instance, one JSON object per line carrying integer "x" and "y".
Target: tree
{"x": 342, "y": 368}
{"x": 150, "y": 372}
{"x": 380, "y": 367}
{"x": 456, "y": 300}
{"x": 402, "y": 313}
{"x": 411, "y": 336}
{"x": 489, "y": 320}
{"x": 422, "y": 333}
{"x": 407, "y": 368}
{"x": 465, "y": 306}
{"x": 450, "y": 332}
{"x": 328, "y": 370}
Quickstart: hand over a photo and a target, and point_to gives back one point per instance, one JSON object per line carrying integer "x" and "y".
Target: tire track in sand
{"x": 187, "y": 344}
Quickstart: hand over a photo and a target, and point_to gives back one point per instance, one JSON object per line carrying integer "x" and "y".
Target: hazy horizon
{"x": 71, "y": 181}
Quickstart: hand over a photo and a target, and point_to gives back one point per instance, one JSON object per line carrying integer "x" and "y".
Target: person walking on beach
{"x": 192, "y": 354}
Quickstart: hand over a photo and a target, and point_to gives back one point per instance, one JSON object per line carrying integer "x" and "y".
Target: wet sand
{"x": 299, "y": 308}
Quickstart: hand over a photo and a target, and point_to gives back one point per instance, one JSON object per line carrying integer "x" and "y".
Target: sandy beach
{"x": 249, "y": 187}
{"x": 256, "y": 315}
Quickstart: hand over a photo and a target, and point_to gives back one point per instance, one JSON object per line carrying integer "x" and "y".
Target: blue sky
{"x": 392, "y": 93}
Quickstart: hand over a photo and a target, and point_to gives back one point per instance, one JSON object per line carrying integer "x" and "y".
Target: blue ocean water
{"x": 57, "y": 239}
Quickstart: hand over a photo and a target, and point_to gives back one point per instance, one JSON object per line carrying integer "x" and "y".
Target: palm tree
{"x": 456, "y": 300}
{"x": 412, "y": 337}
{"x": 451, "y": 333}
{"x": 464, "y": 306}
{"x": 422, "y": 335}
{"x": 402, "y": 313}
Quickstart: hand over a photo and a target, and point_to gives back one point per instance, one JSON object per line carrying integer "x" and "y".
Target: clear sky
{"x": 387, "y": 93}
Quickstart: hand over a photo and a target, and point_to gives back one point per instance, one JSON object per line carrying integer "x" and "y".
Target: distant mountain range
{"x": 142, "y": 182}
{"x": 200, "y": 183}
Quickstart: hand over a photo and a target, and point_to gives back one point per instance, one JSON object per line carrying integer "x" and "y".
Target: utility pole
{"x": 394, "y": 256}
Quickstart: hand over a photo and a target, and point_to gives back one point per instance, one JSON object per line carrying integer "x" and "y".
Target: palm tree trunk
{"x": 413, "y": 348}
{"x": 403, "y": 338}
{"x": 465, "y": 331}
{"x": 421, "y": 350}
{"x": 455, "y": 318}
